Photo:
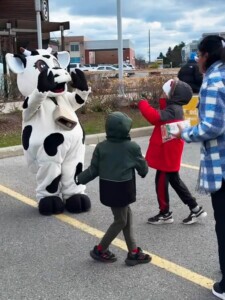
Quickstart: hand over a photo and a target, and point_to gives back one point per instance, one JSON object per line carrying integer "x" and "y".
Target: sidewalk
{"x": 89, "y": 139}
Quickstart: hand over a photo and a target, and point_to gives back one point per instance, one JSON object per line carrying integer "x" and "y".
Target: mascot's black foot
{"x": 51, "y": 205}
{"x": 78, "y": 203}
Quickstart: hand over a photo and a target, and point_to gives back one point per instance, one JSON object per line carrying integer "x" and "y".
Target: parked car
{"x": 131, "y": 66}
{"x": 128, "y": 68}
{"x": 90, "y": 66}
{"x": 1, "y": 75}
{"x": 109, "y": 71}
{"x": 85, "y": 67}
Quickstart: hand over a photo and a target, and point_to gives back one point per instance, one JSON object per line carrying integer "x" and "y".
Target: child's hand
{"x": 146, "y": 95}
{"x": 178, "y": 134}
{"x": 134, "y": 103}
{"x": 77, "y": 181}
{"x": 79, "y": 169}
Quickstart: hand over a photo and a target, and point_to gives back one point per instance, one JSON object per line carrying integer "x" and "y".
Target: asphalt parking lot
{"x": 48, "y": 257}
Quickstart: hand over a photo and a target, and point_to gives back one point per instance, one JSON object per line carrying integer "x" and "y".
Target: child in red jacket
{"x": 165, "y": 157}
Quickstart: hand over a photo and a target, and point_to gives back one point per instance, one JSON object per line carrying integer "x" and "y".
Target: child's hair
{"x": 214, "y": 45}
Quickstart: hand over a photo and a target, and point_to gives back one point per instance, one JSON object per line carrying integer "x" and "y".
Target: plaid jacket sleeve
{"x": 211, "y": 111}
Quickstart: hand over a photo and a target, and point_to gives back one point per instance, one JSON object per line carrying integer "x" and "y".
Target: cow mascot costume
{"x": 52, "y": 137}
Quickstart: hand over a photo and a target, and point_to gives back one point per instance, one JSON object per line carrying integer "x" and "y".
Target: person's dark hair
{"x": 212, "y": 44}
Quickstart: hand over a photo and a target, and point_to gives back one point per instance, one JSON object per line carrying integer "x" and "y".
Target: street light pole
{"x": 38, "y": 18}
{"x": 149, "y": 47}
{"x": 120, "y": 40}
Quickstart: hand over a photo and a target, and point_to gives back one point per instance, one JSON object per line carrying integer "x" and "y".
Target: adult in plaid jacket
{"x": 211, "y": 133}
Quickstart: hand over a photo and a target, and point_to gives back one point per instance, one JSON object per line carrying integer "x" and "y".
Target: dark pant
{"x": 162, "y": 181}
{"x": 122, "y": 222}
{"x": 218, "y": 203}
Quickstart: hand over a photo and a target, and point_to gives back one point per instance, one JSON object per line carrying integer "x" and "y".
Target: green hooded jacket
{"x": 114, "y": 161}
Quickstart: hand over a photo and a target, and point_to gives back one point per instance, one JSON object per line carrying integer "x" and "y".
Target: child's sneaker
{"x": 161, "y": 219}
{"x": 217, "y": 291}
{"x": 103, "y": 256}
{"x": 137, "y": 258}
{"x": 193, "y": 217}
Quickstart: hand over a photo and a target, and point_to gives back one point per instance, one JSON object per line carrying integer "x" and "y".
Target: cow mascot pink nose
{"x": 52, "y": 138}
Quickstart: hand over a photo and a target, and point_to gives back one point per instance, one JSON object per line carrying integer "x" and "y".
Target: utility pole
{"x": 38, "y": 18}
{"x": 120, "y": 40}
{"x": 120, "y": 47}
{"x": 149, "y": 49}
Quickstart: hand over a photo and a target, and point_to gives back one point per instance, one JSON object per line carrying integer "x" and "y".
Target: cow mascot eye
{"x": 52, "y": 137}
{"x": 41, "y": 65}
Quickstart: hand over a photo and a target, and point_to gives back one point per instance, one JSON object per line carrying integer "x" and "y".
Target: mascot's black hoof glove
{"x": 51, "y": 205}
{"x": 78, "y": 203}
{"x": 79, "y": 81}
{"x": 46, "y": 81}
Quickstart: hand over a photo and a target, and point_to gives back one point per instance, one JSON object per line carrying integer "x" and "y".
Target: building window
{"x": 74, "y": 48}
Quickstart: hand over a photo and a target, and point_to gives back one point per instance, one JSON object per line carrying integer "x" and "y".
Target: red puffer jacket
{"x": 163, "y": 156}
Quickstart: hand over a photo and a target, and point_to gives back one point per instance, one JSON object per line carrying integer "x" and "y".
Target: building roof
{"x": 106, "y": 44}
{"x": 29, "y": 26}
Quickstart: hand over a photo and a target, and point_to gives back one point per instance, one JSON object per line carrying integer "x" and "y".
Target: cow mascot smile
{"x": 52, "y": 137}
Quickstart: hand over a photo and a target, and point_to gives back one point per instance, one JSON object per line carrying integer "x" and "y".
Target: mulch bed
{"x": 10, "y": 123}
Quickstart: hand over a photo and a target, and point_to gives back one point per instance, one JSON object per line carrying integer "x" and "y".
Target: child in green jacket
{"x": 115, "y": 161}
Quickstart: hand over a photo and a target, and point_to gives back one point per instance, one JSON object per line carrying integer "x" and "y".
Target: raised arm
{"x": 80, "y": 95}
{"x": 33, "y": 102}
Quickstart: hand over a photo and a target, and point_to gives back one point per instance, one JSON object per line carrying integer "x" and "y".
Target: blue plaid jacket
{"x": 211, "y": 129}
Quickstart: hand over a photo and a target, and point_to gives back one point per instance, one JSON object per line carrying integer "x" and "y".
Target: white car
{"x": 110, "y": 71}
{"x": 131, "y": 66}
{"x": 1, "y": 75}
{"x": 74, "y": 66}
{"x": 1, "y": 69}
{"x": 90, "y": 67}
{"x": 128, "y": 68}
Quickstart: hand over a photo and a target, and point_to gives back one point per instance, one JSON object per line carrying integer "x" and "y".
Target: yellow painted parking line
{"x": 189, "y": 166}
{"x": 18, "y": 196}
{"x": 156, "y": 260}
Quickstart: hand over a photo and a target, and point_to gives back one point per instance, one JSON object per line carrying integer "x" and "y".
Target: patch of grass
{"x": 92, "y": 122}
{"x": 8, "y": 140}
{"x": 95, "y": 122}
{"x": 94, "y": 126}
{"x": 138, "y": 119}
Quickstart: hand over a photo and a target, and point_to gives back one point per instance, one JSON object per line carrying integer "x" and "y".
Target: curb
{"x": 89, "y": 139}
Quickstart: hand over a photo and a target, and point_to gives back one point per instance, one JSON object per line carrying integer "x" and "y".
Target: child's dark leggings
{"x": 162, "y": 181}
{"x": 122, "y": 222}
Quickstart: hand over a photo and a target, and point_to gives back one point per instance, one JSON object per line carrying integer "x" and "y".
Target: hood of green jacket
{"x": 118, "y": 126}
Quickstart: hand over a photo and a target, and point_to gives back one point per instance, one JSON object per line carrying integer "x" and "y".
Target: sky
{"x": 169, "y": 21}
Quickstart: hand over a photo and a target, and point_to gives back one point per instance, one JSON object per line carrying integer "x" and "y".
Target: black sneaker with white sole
{"x": 217, "y": 291}
{"x": 193, "y": 217}
{"x": 161, "y": 219}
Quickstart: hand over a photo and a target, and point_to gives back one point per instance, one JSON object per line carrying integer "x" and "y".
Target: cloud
{"x": 169, "y": 21}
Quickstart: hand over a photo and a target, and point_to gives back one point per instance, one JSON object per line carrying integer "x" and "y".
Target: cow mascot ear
{"x": 16, "y": 62}
{"x": 63, "y": 59}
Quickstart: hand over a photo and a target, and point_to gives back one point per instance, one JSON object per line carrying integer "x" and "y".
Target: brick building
{"x": 18, "y": 26}
{"x": 98, "y": 52}
{"x": 106, "y": 51}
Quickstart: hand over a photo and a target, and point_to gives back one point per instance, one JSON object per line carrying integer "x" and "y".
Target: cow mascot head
{"x": 52, "y": 137}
